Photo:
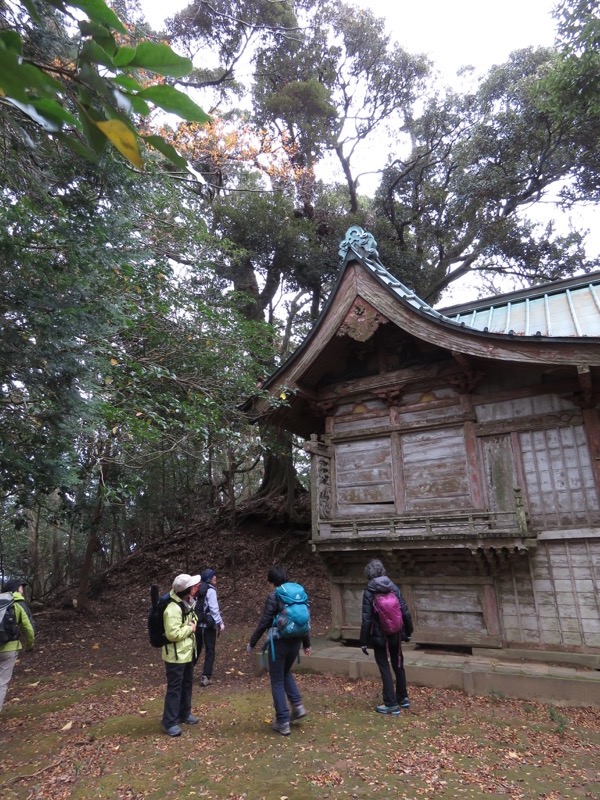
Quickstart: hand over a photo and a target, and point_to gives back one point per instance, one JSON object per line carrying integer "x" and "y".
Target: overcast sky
{"x": 456, "y": 33}
{"x": 453, "y": 33}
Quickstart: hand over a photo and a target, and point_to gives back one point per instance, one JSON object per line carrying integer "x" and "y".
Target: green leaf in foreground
{"x": 166, "y": 149}
{"x": 175, "y": 102}
{"x": 98, "y": 11}
{"x": 10, "y": 40}
{"x": 161, "y": 59}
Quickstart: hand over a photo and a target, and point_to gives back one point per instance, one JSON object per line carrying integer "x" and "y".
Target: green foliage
{"x": 133, "y": 307}
{"x": 55, "y": 307}
{"x": 570, "y": 92}
{"x": 476, "y": 161}
{"x": 86, "y": 91}
{"x": 116, "y": 370}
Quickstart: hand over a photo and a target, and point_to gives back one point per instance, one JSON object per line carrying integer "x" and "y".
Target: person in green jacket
{"x": 179, "y": 654}
{"x": 10, "y": 650}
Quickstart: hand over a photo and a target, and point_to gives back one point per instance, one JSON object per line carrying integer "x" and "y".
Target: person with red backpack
{"x": 386, "y": 621}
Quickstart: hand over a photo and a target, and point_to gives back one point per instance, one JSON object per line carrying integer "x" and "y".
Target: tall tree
{"x": 570, "y": 92}
{"x": 454, "y": 204}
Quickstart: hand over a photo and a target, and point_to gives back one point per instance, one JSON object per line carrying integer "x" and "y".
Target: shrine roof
{"x": 567, "y": 308}
{"x": 555, "y": 324}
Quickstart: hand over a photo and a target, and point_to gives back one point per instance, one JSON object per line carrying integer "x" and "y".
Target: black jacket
{"x": 270, "y": 611}
{"x": 371, "y": 634}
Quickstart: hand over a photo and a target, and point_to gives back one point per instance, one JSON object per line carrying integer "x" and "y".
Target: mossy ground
{"x": 93, "y": 735}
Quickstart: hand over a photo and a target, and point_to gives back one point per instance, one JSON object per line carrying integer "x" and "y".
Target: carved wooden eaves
{"x": 361, "y": 321}
{"x": 468, "y": 378}
{"x": 391, "y": 395}
{"x": 322, "y": 408}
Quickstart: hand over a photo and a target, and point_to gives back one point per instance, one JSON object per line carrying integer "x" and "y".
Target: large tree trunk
{"x": 34, "y": 518}
{"x": 94, "y": 544}
{"x": 280, "y": 479}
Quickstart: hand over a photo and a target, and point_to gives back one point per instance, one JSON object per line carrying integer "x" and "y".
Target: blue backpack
{"x": 293, "y": 621}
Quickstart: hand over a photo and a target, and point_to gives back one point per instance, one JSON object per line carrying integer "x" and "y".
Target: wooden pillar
{"x": 337, "y": 610}
{"x": 592, "y": 429}
{"x": 472, "y": 451}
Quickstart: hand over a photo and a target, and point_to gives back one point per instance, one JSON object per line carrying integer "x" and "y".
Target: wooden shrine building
{"x": 462, "y": 448}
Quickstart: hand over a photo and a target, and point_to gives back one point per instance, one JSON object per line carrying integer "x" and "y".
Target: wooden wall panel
{"x": 500, "y": 472}
{"x": 449, "y": 608}
{"x": 346, "y": 425}
{"x": 430, "y": 415}
{"x": 364, "y": 482}
{"x": 435, "y": 470}
{"x": 365, "y": 406}
{"x": 517, "y": 407}
{"x": 352, "y": 601}
{"x": 559, "y": 480}
{"x": 553, "y": 600}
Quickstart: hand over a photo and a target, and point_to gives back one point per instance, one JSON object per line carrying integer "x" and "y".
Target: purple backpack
{"x": 389, "y": 613}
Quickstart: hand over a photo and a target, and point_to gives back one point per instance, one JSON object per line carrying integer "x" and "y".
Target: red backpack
{"x": 389, "y": 613}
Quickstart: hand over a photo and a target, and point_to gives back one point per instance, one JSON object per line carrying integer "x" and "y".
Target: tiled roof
{"x": 569, "y": 308}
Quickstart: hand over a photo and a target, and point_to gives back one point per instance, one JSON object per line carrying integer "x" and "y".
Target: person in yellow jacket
{"x": 10, "y": 650}
{"x": 179, "y": 654}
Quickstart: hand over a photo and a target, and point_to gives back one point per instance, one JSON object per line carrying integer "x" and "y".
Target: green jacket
{"x": 25, "y": 626}
{"x": 182, "y": 639}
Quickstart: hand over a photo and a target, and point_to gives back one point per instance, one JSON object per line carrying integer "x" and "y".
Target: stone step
{"x": 483, "y": 673}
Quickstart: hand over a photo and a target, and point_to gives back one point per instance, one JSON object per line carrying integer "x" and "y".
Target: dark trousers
{"x": 207, "y": 638}
{"x": 283, "y": 684}
{"x": 178, "y": 699}
{"x": 391, "y": 696}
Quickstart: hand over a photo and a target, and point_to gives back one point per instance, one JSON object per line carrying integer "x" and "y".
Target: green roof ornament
{"x": 356, "y": 237}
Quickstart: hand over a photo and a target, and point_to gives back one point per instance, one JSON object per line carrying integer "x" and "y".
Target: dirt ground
{"x": 111, "y": 633}
{"x": 82, "y": 716}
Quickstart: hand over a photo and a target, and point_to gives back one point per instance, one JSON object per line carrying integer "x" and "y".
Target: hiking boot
{"x": 297, "y": 712}
{"x": 393, "y": 710}
{"x": 191, "y": 719}
{"x": 405, "y": 703}
{"x": 281, "y": 727}
{"x": 204, "y": 681}
{"x": 173, "y": 730}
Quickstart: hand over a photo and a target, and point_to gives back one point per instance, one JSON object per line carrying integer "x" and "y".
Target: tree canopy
{"x": 142, "y": 299}
{"x": 82, "y": 80}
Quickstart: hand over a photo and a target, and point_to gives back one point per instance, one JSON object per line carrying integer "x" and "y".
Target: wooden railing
{"x": 432, "y": 526}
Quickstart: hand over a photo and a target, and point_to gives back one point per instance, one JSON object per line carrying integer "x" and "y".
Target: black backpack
{"x": 205, "y": 618}
{"x": 9, "y": 630}
{"x": 156, "y": 622}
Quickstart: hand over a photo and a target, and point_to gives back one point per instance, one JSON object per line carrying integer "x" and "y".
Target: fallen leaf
{"x": 68, "y": 726}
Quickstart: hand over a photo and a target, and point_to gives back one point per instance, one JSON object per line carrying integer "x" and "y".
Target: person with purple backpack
{"x": 386, "y": 621}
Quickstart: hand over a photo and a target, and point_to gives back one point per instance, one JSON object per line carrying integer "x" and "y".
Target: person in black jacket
{"x": 371, "y": 635}
{"x": 281, "y": 654}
